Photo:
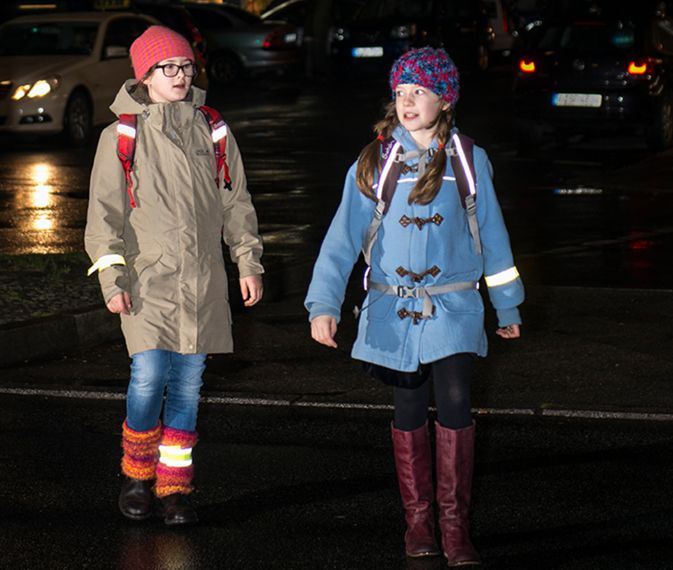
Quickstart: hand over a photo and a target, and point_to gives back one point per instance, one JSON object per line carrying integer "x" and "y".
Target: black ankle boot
{"x": 135, "y": 498}
{"x": 178, "y": 510}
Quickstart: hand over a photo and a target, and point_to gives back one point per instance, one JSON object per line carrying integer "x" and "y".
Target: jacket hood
{"x": 130, "y": 103}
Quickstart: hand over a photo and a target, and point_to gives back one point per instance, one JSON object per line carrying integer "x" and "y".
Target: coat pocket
{"x": 139, "y": 266}
{"x": 469, "y": 301}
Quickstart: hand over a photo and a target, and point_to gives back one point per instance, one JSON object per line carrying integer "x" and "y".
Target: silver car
{"x": 60, "y": 72}
{"x": 240, "y": 43}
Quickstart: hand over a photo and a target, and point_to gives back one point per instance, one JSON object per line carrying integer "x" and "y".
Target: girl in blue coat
{"x": 427, "y": 247}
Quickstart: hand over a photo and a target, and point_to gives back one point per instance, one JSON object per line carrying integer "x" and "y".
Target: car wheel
{"x": 225, "y": 68}
{"x": 77, "y": 120}
{"x": 659, "y": 135}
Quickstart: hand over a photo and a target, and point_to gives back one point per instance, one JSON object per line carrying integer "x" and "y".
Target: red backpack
{"x": 126, "y": 145}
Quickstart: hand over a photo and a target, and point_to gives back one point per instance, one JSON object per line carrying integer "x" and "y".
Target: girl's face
{"x": 417, "y": 110}
{"x": 164, "y": 89}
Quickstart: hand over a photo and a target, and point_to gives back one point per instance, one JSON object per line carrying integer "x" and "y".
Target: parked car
{"x": 239, "y": 43}
{"x": 60, "y": 72}
{"x": 300, "y": 12}
{"x": 597, "y": 73}
{"x": 384, "y": 29}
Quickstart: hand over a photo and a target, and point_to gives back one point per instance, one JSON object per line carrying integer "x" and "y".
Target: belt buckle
{"x": 406, "y": 292}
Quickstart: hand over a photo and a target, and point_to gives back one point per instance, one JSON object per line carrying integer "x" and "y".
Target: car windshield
{"x": 40, "y": 38}
{"x": 590, "y": 37}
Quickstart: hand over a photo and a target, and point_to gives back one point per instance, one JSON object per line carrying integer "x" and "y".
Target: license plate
{"x": 576, "y": 100}
{"x": 374, "y": 51}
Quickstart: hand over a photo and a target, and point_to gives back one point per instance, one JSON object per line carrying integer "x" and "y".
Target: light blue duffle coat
{"x": 457, "y": 324}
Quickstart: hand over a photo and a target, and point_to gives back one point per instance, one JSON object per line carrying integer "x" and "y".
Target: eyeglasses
{"x": 171, "y": 69}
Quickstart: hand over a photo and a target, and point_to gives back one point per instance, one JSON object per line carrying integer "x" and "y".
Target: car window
{"x": 241, "y": 15}
{"x": 173, "y": 17}
{"x": 124, "y": 31}
{"x": 42, "y": 38}
{"x": 290, "y": 12}
{"x": 403, "y": 9}
{"x": 590, "y": 37}
{"x": 210, "y": 20}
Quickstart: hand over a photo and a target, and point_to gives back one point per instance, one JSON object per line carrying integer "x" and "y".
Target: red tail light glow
{"x": 527, "y": 66}
{"x": 637, "y": 68}
{"x": 273, "y": 40}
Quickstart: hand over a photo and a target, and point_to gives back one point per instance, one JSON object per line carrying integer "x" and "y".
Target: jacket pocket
{"x": 469, "y": 301}
{"x": 139, "y": 264}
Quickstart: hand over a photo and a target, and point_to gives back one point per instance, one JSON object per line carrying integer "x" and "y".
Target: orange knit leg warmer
{"x": 141, "y": 452}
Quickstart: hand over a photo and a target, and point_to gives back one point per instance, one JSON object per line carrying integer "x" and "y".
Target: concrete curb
{"x": 54, "y": 336}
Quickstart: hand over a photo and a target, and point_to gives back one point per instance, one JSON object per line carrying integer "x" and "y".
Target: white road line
{"x": 238, "y": 401}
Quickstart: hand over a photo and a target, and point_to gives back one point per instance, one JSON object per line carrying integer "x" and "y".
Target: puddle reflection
{"x": 142, "y": 549}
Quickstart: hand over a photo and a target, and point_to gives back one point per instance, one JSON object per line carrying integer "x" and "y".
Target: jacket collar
{"x": 156, "y": 113}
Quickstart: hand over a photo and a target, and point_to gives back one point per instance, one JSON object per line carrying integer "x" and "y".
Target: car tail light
{"x": 637, "y": 68}
{"x": 527, "y": 65}
{"x": 279, "y": 39}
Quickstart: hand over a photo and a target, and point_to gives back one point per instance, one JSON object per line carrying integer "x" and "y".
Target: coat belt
{"x": 421, "y": 292}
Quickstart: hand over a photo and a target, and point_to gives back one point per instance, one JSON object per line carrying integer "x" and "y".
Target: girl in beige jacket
{"x": 155, "y": 241}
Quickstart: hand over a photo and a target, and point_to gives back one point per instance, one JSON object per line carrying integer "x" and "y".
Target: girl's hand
{"x": 120, "y": 303}
{"x": 323, "y": 329}
{"x": 511, "y": 331}
{"x": 252, "y": 289}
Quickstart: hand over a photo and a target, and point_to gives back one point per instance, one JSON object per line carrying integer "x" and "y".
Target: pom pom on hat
{"x": 430, "y": 68}
{"x": 156, "y": 44}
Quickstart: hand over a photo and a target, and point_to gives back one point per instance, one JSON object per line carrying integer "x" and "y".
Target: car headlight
{"x": 39, "y": 88}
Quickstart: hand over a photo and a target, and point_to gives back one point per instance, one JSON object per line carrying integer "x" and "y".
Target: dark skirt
{"x": 398, "y": 378}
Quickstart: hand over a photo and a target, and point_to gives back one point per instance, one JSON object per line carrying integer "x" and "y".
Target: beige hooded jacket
{"x": 166, "y": 252}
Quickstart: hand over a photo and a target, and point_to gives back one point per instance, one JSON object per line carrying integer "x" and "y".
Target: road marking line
{"x": 296, "y": 403}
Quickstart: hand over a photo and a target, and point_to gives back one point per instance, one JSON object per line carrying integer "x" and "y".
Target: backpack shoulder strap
{"x": 126, "y": 148}
{"x": 385, "y": 190}
{"x": 218, "y": 129}
{"x": 462, "y": 162}
{"x": 390, "y": 172}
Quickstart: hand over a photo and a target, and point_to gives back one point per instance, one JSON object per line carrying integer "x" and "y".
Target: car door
{"x": 114, "y": 66}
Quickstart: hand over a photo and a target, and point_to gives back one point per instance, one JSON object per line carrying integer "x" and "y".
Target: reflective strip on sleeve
{"x": 502, "y": 278}
{"x": 126, "y": 130}
{"x": 106, "y": 261}
{"x": 219, "y": 133}
{"x": 175, "y": 456}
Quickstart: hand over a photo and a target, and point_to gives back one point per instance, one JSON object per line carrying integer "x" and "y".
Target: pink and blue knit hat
{"x": 430, "y": 68}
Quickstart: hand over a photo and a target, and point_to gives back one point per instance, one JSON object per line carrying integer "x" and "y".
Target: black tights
{"x": 451, "y": 377}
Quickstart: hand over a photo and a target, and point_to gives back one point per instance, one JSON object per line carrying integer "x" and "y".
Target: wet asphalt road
{"x": 291, "y": 489}
{"x": 576, "y": 217}
{"x": 306, "y": 490}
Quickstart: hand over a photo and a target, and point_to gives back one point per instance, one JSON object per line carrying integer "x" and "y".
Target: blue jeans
{"x": 155, "y": 372}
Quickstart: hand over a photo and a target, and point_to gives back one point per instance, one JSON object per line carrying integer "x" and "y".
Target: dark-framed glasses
{"x": 171, "y": 69}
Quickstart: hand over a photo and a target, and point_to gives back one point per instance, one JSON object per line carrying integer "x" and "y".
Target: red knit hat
{"x": 156, "y": 44}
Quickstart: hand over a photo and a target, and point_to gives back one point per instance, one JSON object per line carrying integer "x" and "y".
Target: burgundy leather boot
{"x": 455, "y": 464}
{"x": 413, "y": 463}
